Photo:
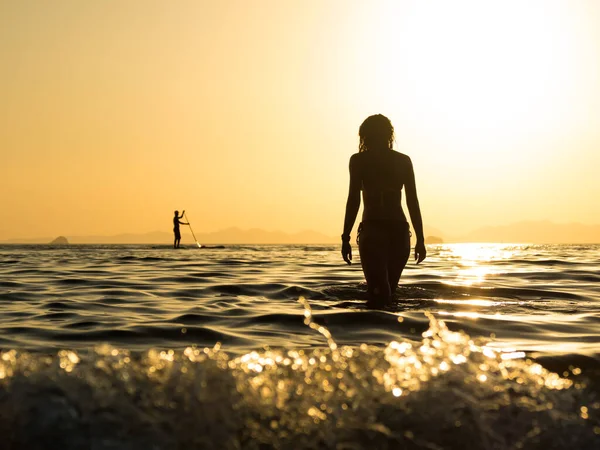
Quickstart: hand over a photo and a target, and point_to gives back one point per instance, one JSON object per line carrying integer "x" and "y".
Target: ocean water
{"x": 487, "y": 346}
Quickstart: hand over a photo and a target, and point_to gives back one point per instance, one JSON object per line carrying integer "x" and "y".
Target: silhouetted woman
{"x": 383, "y": 236}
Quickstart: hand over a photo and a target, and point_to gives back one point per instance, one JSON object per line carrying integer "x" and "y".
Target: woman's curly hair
{"x": 376, "y": 132}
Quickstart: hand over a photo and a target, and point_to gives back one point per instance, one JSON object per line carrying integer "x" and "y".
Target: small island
{"x": 434, "y": 240}
{"x": 61, "y": 240}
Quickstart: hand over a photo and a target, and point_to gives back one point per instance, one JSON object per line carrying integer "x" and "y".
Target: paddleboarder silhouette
{"x": 176, "y": 223}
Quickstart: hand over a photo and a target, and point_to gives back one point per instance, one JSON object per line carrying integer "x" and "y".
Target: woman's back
{"x": 383, "y": 173}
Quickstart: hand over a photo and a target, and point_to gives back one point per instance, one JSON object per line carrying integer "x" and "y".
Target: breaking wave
{"x": 445, "y": 391}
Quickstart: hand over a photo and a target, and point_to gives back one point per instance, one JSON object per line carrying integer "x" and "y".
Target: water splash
{"x": 447, "y": 391}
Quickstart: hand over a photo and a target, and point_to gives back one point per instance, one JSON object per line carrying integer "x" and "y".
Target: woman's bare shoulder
{"x": 356, "y": 158}
{"x": 402, "y": 158}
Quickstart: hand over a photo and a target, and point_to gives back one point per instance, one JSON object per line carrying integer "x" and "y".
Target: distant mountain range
{"x": 227, "y": 236}
{"x": 545, "y": 232}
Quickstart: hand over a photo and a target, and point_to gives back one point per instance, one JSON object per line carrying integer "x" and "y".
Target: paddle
{"x": 190, "y": 225}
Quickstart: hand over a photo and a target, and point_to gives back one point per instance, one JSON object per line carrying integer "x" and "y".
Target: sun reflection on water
{"x": 473, "y": 302}
{"x": 472, "y": 260}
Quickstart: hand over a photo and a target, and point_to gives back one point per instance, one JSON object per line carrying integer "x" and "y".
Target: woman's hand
{"x": 420, "y": 252}
{"x": 347, "y": 252}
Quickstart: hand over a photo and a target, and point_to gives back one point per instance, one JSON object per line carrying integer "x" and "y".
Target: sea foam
{"x": 446, "y": 391}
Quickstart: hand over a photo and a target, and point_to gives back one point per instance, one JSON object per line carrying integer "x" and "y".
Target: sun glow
{"x": 487, "y": 77}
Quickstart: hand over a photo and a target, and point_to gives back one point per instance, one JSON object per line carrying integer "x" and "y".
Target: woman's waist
{"x": 385, "y": 223}
{"x": 384, "y": 226}
{"x": 384, "y": 215}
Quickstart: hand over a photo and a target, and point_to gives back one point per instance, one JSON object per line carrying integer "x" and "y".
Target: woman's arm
{"x": 353, "y": 202}
{"x": 414, "y": 210}
{"x": 352, "y": 207}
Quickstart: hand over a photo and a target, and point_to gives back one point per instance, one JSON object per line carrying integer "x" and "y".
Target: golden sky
{"x": 245, "y": 113}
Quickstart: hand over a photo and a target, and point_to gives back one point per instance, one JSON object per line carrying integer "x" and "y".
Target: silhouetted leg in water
{"x": 398, "y": 255}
